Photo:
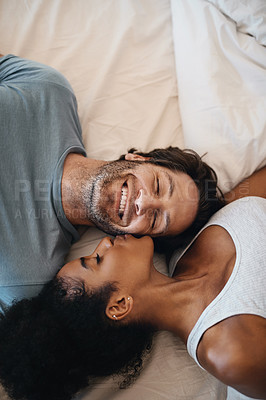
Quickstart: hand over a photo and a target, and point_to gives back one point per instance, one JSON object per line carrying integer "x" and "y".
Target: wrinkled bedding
{"x": 153, "y": 73}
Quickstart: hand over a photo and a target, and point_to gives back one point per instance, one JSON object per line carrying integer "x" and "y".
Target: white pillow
{"x": 249, "y": 15}
{"x": 221, "y": 76}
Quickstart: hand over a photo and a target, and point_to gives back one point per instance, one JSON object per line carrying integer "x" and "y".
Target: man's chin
{"x": 117, "y": 229}
{"x": 110, "y": 228}
{"x": 105, "y": 222}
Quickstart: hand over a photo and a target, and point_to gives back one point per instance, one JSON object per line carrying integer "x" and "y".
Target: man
{"x": 160, "y": 193}
{"x": 48, "y": 186}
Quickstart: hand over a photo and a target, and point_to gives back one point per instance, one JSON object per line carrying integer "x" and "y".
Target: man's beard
{"x": 93, "y": 193}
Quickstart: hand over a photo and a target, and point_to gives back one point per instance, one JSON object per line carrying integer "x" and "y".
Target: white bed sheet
{"x": 124, "y": 59}
{"x": 221, "y": 76}
{"x": 118, "y": 57}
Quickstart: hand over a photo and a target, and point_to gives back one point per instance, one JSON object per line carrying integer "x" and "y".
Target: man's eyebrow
{"x": 171, "y": 185}
{"x": 166, "y": 225}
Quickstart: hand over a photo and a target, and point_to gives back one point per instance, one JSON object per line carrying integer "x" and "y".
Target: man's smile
{"x": 123, "y": 200}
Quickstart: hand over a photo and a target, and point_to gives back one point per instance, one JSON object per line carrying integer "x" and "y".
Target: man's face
{"x": 142, "y": 198}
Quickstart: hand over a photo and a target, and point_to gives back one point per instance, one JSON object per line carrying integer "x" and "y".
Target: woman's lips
{"x": 122, "y": 237}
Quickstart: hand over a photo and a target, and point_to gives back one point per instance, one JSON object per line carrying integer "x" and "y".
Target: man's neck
{"x": 73, "y": 178}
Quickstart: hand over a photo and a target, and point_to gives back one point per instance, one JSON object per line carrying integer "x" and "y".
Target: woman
{"x": 92, "y": 320}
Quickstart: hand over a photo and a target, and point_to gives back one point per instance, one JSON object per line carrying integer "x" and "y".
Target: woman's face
{"x": 126, "y": 260}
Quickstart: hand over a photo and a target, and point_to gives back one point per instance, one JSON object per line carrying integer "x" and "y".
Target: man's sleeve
{"x": 14, "y": 69}
{"x": 9, "y": 294}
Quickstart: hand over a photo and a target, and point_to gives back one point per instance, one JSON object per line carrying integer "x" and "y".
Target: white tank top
{"x": 245, "y": 290}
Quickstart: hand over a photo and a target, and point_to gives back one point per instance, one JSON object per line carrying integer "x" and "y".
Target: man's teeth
{"x": 123, "y": 201}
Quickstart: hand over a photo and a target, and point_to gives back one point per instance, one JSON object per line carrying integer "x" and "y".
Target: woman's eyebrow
{"x": 82, "y": 262}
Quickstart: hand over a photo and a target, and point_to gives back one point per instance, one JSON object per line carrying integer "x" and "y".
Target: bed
{"x": 153, "y": 73}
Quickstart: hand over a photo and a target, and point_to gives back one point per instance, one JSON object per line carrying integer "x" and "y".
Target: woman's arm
{"x": 254, "y": 185}
{"x": 234, "y": 351}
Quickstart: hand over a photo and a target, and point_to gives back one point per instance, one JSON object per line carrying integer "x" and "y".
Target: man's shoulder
{"x": 15, "y": 69}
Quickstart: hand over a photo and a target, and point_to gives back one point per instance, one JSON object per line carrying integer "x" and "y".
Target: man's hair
{"x": 55, "y": 344}
{"x": 210, "y": 196}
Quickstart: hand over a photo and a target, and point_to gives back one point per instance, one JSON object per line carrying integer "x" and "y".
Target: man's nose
{"x": 145, "y": 202}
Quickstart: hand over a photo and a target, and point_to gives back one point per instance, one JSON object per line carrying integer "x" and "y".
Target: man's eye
{"x": 158, "y": 186}
{"x": 98, "y": 258}
{"x": 154, "y": 220}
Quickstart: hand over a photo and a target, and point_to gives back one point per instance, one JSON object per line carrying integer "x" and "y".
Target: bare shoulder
{"x": 254, "y": 185}
{"x": 234, "y": 351}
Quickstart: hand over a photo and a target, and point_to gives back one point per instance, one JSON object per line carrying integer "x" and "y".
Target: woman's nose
{"x": 145, "y": 202}
{"x": 104, "y": 245}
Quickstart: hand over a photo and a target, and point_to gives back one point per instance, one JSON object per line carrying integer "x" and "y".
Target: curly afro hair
{"x": 53, "y": 345}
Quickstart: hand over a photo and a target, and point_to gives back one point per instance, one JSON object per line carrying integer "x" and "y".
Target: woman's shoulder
{"x": 234, "y": 352}
{"x": 239, "y": 218}
{"x": 251, "y": 205}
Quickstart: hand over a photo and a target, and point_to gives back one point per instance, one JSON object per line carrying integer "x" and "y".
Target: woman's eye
{"x": 98, "y": 258}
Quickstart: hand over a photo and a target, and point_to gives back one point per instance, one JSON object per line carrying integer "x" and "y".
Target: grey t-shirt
{"x": 39, "y": 126}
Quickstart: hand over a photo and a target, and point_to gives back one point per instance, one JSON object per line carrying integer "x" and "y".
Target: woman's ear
{"x": 135, "y": 157}
{"x": 119, "y": 307}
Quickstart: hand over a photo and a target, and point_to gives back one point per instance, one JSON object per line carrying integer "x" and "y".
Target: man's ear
{"x": 119, "y": 307}
{"x": 135, "y": 157}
